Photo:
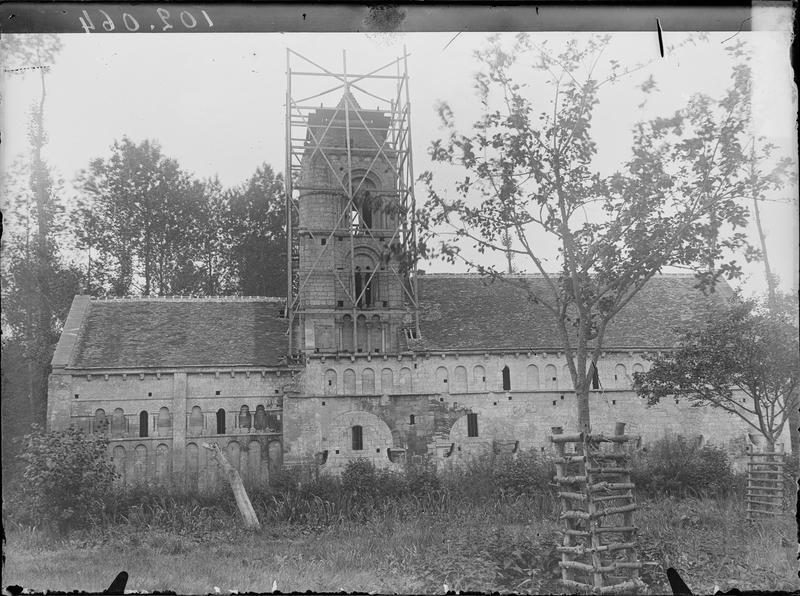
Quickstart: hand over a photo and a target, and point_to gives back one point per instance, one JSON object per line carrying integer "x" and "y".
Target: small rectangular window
{"x": 358, "y": 438}
{"x": 472, "y": 425}
{"x": 216, "y": 392}
{"x": 323, "y": 241}
{"x": 411, "y": 419}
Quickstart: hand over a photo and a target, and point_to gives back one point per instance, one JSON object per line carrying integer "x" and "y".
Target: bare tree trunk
{"x": 583, "y": 410}
{"x": 235, "y": 480}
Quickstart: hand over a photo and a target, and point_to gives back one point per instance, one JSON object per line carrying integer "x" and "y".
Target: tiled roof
{"x": 457, "y": 312}
{"x": 466, "y": 312}
{"x": 133, "y": 333}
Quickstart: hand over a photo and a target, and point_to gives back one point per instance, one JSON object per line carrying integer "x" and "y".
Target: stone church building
{"x": 367, "y": 358}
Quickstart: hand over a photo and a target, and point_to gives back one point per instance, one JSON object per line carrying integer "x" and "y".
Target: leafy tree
{"x": 211, "y": 265}
{"x": 256, "y": 228}
{"x": 530, "y": 174}
{"x": 136, "y": 210}
{"x": 744, "y": 359}
{"x": 67, "y": 476}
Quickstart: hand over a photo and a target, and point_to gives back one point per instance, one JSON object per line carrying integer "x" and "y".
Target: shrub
{"x": 529, "y": 473}
{"x": 421, "y": 479}
{"x": 359, "y": 478}
{"x": 678, "y": 467}
{"x": 68, "y": 476}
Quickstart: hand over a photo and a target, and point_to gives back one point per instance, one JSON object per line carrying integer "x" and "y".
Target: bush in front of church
{"x": 67, "y": 479}
{"x": 680, "y": 467}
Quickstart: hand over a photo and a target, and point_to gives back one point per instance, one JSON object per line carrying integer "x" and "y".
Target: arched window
{"x": 260, "y": 418}
{"x": 221, "y": 421}
{"x": 368, "y": 298}
{"x": 621, "y": 379}
{"x": 365, "y": 284}
{"x": 196, "y": 420}
{"x": 506, "y": 379}
{"x": 349, "y": 381}
{"x": 441, "y": 379}
{"x": 347, "y": 334}
{"x": 479, "y": 377}
{"x": 459, "y": 380}
{"x": 359, "y": 286}
{"x": 366, "y": 203}
{"x": 245, "y": 418}
{"x": 164, "y": 421}
{"x": 532, "y": 377}
{"x": 368, "y": 381}
{"x": 100, "y": 421}
{"x": 550, "y": 377}
{"x": 118, "y": 422}
{"x": 357, "y": 434}
{"x": 361, "y": 333}
{"x": 387, "y": 381}
{"x": 330, "y": 382}
{"x": 143, "y": 423}
{"x": 376, "y": 337}
{"x": 405, "y": 380}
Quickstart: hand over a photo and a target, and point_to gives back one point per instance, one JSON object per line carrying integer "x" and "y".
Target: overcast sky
{"x": 215, "y": 101}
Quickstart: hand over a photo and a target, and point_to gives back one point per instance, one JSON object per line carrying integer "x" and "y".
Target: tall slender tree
{"x": 37, "y": 286}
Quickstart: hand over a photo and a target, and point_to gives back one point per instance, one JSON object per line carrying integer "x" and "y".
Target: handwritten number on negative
{"x": 88, "y": 26}
{"x": 164, "y": 14}
{"x": 187, "y": 19}
{"x": 126, "y": 18}
{"x": 108, "y": 24}
{"x": 191, "y": 16}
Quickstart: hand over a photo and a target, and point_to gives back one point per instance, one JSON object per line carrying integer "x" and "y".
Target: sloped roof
{"x": 457, "y": 312}
{"x": 466, "y": 312}
{"x": 134, "y": 333}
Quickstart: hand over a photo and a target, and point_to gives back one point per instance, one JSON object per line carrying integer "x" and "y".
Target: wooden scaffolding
{"x": 765, "y": 483}
{"x": 597, "y": 504}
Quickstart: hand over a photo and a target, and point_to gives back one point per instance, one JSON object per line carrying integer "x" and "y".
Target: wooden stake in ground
{"x": 242, "y": 500}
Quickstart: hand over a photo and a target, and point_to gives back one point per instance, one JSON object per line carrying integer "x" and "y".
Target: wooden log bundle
{"x": 597, "y": 503}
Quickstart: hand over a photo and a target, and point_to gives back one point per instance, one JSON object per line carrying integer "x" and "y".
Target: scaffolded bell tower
{"x": 350, "y": 210}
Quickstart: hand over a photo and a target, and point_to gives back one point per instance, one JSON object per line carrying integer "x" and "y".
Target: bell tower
{"x": 350, "y": 209}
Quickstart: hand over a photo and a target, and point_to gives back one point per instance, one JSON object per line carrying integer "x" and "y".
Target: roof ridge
{"x": 471, "y": 274}
{"x": 275, "y": 299}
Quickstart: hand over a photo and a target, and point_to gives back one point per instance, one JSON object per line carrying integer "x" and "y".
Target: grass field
{"x": 479, "y": 548}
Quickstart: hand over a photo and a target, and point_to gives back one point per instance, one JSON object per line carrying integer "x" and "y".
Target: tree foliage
{"x": 743, "y": 359}
{"x": 256, "y": 225}
{"x": 67, "y": 476}
{"x": 530, "y": 175}
{"x": 150, "y": 228}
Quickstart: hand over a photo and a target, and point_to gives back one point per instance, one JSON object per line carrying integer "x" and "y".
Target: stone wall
{"x": 157, "y": 421}
{"x": 424, "y": 416}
